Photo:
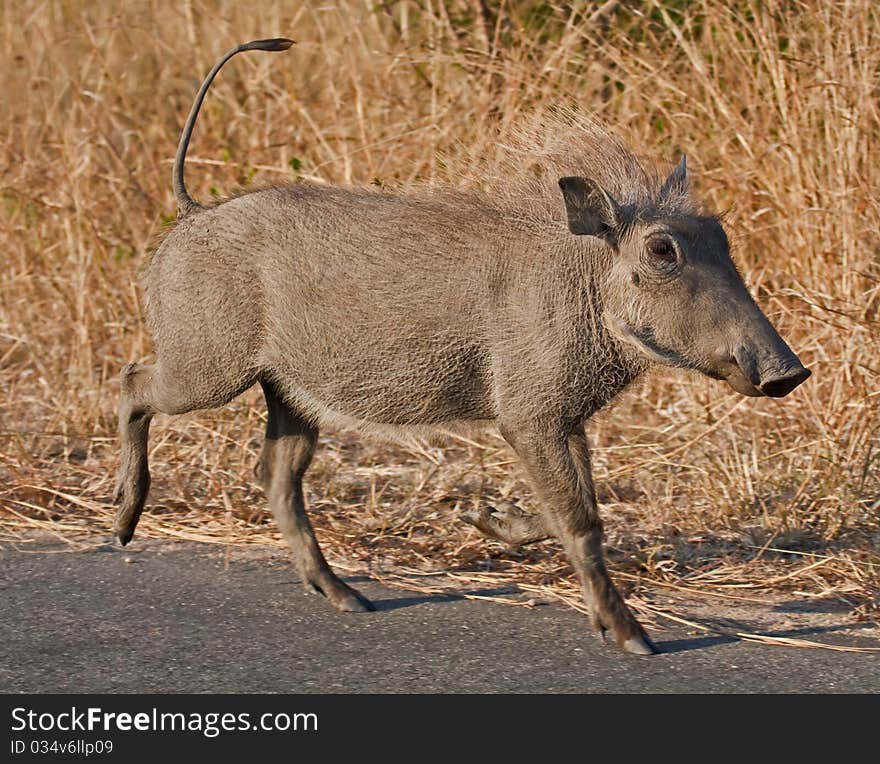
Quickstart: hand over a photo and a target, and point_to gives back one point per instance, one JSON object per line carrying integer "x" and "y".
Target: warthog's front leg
{"x": 286, "y": 455}
{"x": 558, "y": 465}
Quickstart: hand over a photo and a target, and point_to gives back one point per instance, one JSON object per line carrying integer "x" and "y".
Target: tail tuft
{"x": 275, "y": 44}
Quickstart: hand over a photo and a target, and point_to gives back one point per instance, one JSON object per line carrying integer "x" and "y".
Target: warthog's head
{"x": 673, "y": 292}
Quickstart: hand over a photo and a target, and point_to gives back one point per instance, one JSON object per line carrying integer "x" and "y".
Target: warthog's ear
{"x": 678, "y": 183}
{"x": 591, "y": 209}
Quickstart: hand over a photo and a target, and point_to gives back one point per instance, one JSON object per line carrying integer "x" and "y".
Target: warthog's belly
{"x": 384, "y": 382}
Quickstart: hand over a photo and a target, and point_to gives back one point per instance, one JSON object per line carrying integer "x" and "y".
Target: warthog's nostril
{"x": 778, "y": 387}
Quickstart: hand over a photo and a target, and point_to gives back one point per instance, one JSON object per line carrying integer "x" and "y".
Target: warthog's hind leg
{"x": 145, "y": 391}
{"x": 286, "y": 455}
{"x": 133, "y": 479}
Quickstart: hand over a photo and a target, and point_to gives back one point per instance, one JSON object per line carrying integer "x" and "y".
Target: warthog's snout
{"x": 775, "y": 377}
{"x": 781, "y": 385}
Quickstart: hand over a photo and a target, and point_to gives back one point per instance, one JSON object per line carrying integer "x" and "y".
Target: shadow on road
{"x": 397, "y": 603}
{"x": 710, "y": 640}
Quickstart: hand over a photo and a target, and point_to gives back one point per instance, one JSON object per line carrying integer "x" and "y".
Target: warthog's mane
{"x": 522, "y": 175}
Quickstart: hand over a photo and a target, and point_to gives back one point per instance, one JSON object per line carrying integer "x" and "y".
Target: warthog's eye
{"x": 661, "y": 249}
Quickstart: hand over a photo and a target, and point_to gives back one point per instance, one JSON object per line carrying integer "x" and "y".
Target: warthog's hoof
{"x": 124, "y": 525}
{"x": 626, "y": 632}
{"x": 639, "y": 645}
{"x": 508, "y": 523}
{"x": 125, "y": 535}
{"x": 341, "y": 596}
{"x": 126, "y": 518}
{"x": 129, "y": 495}
{"x": 354, "y": 603}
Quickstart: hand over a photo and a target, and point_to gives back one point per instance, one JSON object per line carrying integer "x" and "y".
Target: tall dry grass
{"x": 775, "y": 105}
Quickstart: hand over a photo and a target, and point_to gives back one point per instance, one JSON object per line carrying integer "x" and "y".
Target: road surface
{"x": 170, "y": 617}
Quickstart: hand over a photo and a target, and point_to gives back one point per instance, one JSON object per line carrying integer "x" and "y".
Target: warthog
{"x": 402, "y": 312}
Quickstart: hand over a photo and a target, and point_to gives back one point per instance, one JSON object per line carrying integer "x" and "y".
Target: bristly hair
{"x": 522, "y": 176}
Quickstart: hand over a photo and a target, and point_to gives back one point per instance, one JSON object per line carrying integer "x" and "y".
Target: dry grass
{"x": 776, "y": 106}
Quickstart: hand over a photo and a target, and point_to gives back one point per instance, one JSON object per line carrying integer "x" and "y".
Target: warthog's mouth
{"x": 737, "y": 380}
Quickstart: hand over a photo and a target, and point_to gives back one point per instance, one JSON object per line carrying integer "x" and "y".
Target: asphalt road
{"x": 164, "y": 617}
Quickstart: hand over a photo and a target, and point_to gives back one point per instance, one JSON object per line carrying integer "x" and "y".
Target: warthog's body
{"x": 427, "y": 311}
{"x": 405, "y": 312}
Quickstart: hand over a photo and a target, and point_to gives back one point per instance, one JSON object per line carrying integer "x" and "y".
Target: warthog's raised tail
{"x": 185, "y": 203}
